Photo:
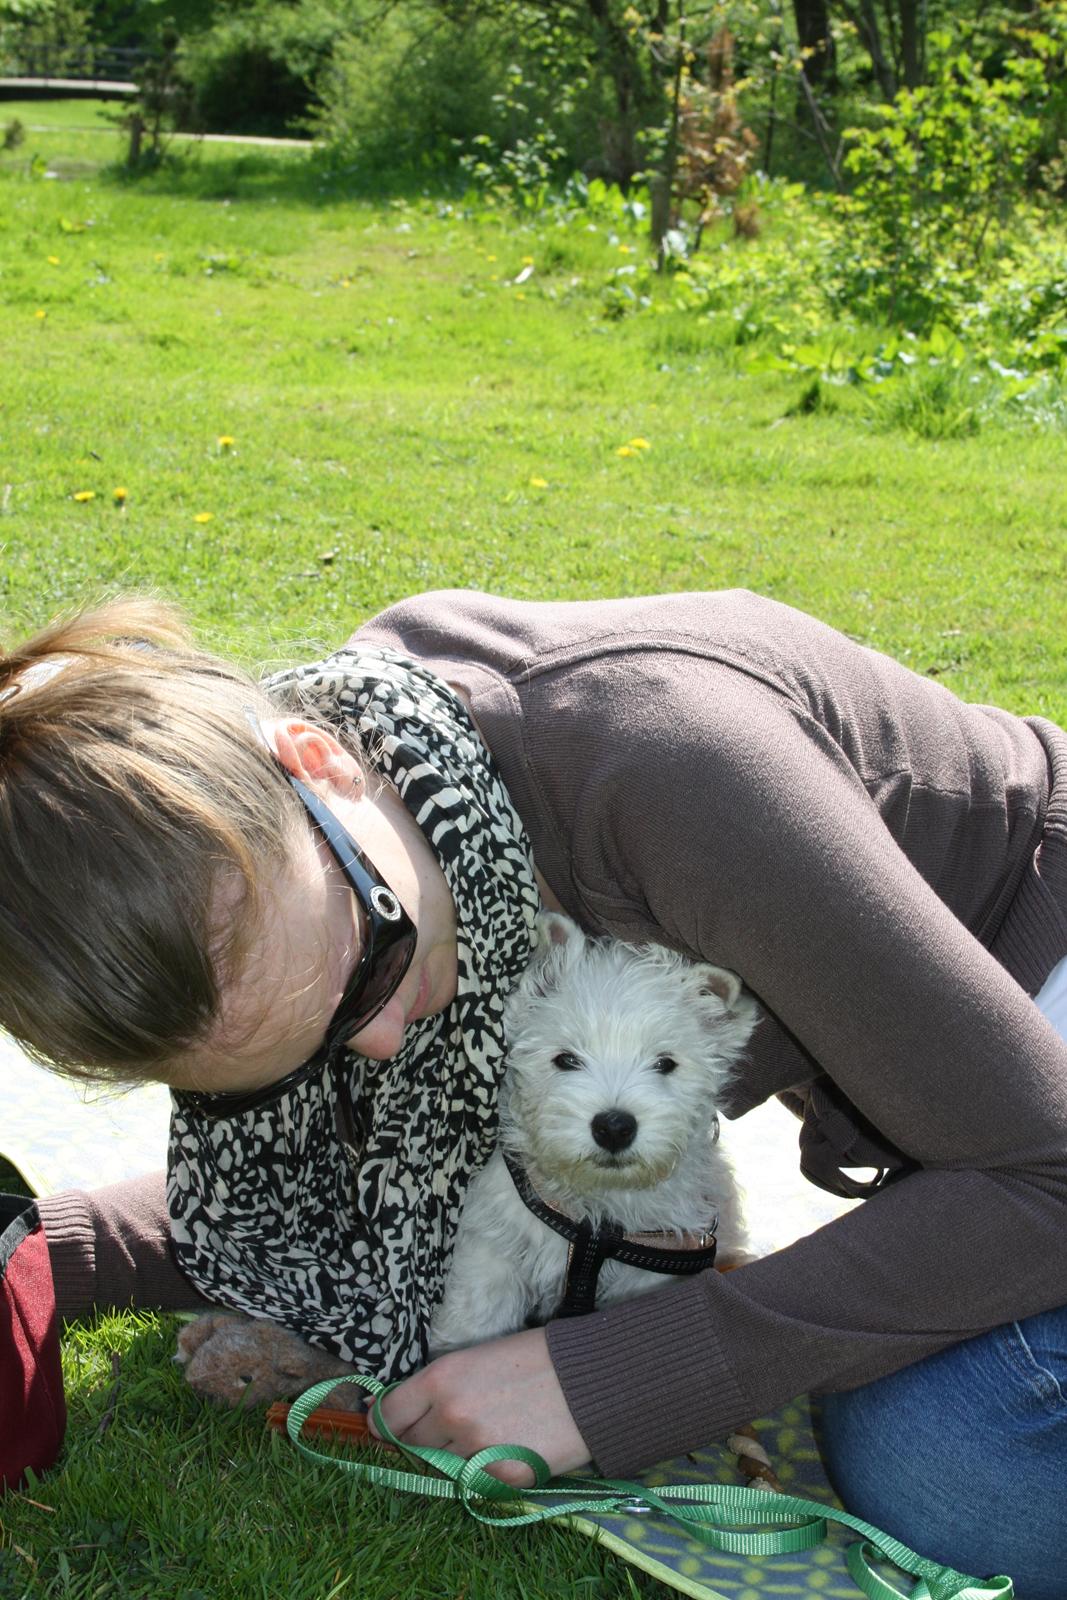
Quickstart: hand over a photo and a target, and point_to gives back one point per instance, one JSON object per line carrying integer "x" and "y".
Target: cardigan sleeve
{"x": 757, "y": 845}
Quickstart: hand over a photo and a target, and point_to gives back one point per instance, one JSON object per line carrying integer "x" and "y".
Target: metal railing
{"x": 88, "y": 63}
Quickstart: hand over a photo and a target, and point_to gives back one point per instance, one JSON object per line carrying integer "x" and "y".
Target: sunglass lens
{"x": 355, "y": 1011}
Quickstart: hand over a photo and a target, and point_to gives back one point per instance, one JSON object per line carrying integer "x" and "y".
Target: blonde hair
{"x": 132, "y": 786}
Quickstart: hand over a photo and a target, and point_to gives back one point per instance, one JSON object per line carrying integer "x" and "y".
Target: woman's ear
{"x": 313, "y": 754}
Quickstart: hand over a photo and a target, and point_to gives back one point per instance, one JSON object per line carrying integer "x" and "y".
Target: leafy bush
{"x": 936, "y": 182}
{"x": 46, "y": 36}
{"x": 520, "y": 92}
{"x": 256, "y": 70}
{"x": 412, "y": 87}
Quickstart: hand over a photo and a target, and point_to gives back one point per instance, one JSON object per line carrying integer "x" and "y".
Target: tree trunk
{"x": 864, "y": 18}
{"x": 135, "y": 127}
{"x": 660, "y": 215}
{"x": 912, "y": 42}
{"x": 813, "y": 33}
{"x": 617, "y": 55}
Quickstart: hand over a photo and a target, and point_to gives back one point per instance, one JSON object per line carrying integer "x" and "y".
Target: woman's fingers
{"x": 502, "y": 1392}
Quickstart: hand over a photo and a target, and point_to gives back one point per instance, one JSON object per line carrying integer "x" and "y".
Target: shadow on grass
{"x": 196, "y": 171}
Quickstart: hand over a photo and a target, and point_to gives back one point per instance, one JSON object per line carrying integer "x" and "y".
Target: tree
{"x": 814, "y": 35}
{"x": 894, "y": 33}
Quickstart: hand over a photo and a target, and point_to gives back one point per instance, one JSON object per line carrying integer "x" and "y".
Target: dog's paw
{"x": 233, "y": 1359}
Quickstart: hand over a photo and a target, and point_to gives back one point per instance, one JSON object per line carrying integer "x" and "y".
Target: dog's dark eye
{"x": 567, "y": 1061}
{"x": 664, "y": 1064}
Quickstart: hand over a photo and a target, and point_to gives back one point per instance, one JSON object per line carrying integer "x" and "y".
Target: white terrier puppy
{"x": 617, "y": 1057}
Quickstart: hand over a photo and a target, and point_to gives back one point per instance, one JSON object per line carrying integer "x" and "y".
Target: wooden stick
{"x": 351, "y": 1425}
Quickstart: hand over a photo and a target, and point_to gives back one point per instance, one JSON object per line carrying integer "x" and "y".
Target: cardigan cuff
{"x": 71, "y": 1240}
{"x": 647, "y": 1380}
{"x": 111, "y": 1247}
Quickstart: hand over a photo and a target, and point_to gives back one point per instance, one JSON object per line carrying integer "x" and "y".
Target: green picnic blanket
{"x": 668, "y": 1553}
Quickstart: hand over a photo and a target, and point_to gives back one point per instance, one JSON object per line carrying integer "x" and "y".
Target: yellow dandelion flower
{"x": 40, "y": 315}
{"x": 203, "y": 516}
{"x": 625, "y": 450}
{"x": 640, "y": 444}
{"x": 490, "y": 258}
{"x": 527, "y": 261}
{"x": 538, "y": 483}
{"x": 226, "y": 441}
{"x": 626, "y": 249}
{"x": 494, "y": 277}
{"x": 53, "y": 261}
{"x": 119, "y": 496}
{"x": 85, "y": 494}
{"x": 519, "y": 295}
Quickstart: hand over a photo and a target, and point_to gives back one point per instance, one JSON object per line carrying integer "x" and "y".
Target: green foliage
{"x": 412, "y": 88}
{"x": 935, "y": 187}
{"x": 522, "y": 171}
{"x": 46, "y": 36}
{"x": 140, "y": 23}
{"x": 256, "y": 69}
{"x": 518, "y": 91}
{"x": 506, "y": 92}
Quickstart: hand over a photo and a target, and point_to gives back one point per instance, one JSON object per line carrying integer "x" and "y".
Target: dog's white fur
{"x": 591, "y": 1027}
{"x": 617, "y": 1009}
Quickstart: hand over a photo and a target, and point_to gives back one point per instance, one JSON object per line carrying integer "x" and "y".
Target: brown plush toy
{"x": 233, "y": 1360}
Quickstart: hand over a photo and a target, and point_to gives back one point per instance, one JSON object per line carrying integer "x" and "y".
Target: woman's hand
{"x": 502, "y": 1392}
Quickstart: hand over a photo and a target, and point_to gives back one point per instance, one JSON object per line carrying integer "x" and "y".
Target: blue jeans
{"x": 963, "y": 1456}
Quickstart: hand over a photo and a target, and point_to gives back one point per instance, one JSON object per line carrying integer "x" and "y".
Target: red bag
{"x": 33, "y": 1411}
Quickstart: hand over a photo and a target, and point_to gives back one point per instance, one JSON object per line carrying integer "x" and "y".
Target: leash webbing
{"x": 723, "y": 1516}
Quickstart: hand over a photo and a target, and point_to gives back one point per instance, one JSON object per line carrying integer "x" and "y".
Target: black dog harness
{"x": 590, "y": 1247}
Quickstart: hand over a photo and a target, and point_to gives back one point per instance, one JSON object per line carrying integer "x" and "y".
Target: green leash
{"x": 723, "y": 1516}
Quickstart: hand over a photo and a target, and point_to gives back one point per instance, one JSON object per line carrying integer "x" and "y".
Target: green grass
{"x": 160, "y": 1496}
{"x": 393, "y": 395}
{"x": 42, "y": 118}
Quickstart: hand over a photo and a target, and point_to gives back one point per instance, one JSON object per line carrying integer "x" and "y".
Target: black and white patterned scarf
{"x": 283, "y": 1210}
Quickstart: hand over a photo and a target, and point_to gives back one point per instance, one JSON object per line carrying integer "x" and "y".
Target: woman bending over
{"x": 300, "y": 904}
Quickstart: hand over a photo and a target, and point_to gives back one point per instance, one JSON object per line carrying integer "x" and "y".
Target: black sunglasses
{"x": 388, "y": 938}
{"x": 389, "y": 935}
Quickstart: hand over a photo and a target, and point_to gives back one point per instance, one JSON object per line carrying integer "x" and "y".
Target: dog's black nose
{"x": 613, "y": 1130}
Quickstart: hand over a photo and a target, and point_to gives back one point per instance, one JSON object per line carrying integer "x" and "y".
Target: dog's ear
{"x": 721, "y": 982}
{"x": 558, "y": 945}
{"x": 729, "y": 1012}
{"x": 552, "y": 927}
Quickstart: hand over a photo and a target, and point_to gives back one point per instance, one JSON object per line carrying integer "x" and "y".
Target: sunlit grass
{"x": 162, "y": 1498}
{"x": 391, "y": 399}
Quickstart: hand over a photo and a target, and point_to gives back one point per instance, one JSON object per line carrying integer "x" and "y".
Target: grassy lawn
{"x": 404, "y": 415}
